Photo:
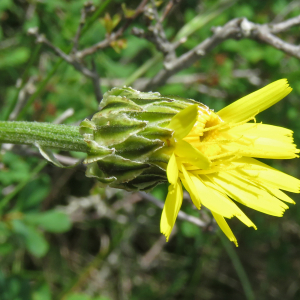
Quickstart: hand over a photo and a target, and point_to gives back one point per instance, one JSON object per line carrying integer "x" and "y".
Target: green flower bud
{"x": 129, "y": 143}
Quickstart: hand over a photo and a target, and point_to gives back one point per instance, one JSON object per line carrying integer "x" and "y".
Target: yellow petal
{"x": 191, "y": 155}
{"x": 256, "y": 102}
{"x": 280, "y": 195}
{"x": 259, "y": 129}
{"x": 212, "y": 201}
{"x": 172, "y": 170}
{"x": 171, "y": 209}
{"x": 183, "y": 122}
{"x": 225, "y": 228}
{"x": 264, "y": 173}
{"x": 247, "y": 193}
{"x": 221, "y": 194}
{"x": 259, "y": 140}
{"x": 190, "y": 187}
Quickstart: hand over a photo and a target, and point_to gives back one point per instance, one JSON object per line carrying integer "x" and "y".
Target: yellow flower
{"x": 213, "y": 154}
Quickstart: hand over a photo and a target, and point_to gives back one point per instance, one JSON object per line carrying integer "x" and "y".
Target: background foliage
{"x": 63, "y": 237}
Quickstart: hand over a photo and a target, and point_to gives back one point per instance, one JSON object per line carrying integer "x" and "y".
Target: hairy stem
{"x": 62, "y": 137}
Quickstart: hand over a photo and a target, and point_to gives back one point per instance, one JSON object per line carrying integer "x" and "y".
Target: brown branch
{"x": 72, "y": 60}
{"x": 156, "y": 33}
{"x": 168, "y": 8}
{"x": 264, "y": 33}
{"x": 230, "y": 30}
{"x": 285, "y": 25}
{"x": 234, "y": 29}
{"x": 88, "y": 8}
{"x": 40, "y": 38}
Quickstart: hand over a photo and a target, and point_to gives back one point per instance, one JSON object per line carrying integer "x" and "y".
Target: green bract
{"x": 129, "y": 143}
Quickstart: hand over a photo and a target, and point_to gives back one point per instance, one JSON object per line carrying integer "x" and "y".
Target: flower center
{"x": 205, "y": 132}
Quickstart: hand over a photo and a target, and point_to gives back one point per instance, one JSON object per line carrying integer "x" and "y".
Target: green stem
{"x": 62, "y": 137}
{"x": 249, "y": 294}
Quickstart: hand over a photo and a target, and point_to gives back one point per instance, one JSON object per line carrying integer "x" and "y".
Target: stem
{"x": 62, "y": 137}
{"x": 237, "y": 264}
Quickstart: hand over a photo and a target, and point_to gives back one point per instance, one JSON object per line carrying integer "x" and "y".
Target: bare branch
{"x": 88, "y": 8}
{"x": 204, "y": 89}
{"x": 229, "y": 30}
{"x": 71, "y": 59}
{"x": 158, "y": 36}
{"x": 24, "y": 94}
{"x": 283, "y": 26}
{"x": 234, "y": 29}
{"x": 156, "y": 33}
{"x": 150, "y": 256}
{"x": 40, "y": 38}
{"x": 263, "y": 33}
{"x": 66, "y": 114}
{"x": 253, "y": 76}
{"x": 168, "y": 8}
{"x": 291, "y": 5}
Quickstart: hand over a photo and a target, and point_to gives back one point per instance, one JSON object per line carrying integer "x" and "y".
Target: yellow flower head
{"x": 213, "y": 154}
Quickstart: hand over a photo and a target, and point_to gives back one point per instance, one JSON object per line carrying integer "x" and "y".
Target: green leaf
{"x": 52, "y": 221}
{"x": 78, "y": 296}
{"x": 33, "y": 193}
{"x": 6, "y": 249}
{"x": 42, "y": 293}
{"x": 34, "y": 240}
{"x": 5, "y": 4}
{"x": 14, "y": 57}
{"x": 188, "y": 229}
{"x": 16, "y": 169}
{"x": 14, "y": 288}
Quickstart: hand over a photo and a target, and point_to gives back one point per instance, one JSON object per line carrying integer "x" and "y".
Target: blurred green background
{"x": 62, "y": 236}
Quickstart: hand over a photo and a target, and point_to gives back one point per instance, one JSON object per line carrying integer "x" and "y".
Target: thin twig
{"x": 156, "y": 33}
{"x": 285, "y": 25}
{"x": 155, "y": 250}
{"x": 88, "y": 8}
{"x": 168, "y": 8}
{"x": 24, "y": 94}
{"x": 229, "y": 30}
{"x": 187, "y": 79}
{"x": 40, "y": 38}
{"x": 71, "y": 59}
{"x": 66, "y": 114}
{"x": 216, "y": 93}
{"x": 235, "y": 29}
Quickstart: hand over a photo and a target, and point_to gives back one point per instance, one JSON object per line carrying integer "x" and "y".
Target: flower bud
{"x": 130, "y": 144}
